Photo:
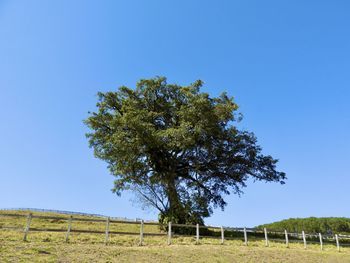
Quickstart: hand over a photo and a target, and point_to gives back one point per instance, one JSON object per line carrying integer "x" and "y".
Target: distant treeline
{"x": 325, "y": 225}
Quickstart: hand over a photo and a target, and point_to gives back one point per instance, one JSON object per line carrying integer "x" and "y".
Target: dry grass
{"x": 50, "y": 247}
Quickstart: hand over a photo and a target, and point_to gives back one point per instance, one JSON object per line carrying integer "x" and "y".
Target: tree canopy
{"x": 178, "y": 148}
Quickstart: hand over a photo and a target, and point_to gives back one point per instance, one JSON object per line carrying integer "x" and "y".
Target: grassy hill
{"x": 90, "y": 247}
{"x": 324, "y": 225}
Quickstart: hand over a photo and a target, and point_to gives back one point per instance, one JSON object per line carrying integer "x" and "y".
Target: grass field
{"x": 83, "y": 247}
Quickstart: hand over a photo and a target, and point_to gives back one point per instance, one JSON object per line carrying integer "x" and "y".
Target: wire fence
{"x": 170, "y": 230}
{"x": 74, "y": 213}
{"x": 71, "y": 213}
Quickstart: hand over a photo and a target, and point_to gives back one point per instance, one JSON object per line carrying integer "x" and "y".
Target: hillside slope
{"x": 90, "y": 247}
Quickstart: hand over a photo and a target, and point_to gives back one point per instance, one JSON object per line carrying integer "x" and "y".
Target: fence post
{"x": 107, "y": 231}
{"x": 222, "y": 236}
{"x": 287, "y": 240}
{"x": 169, "y": 233}
{"x": 197, "y": 234}
{"x": 266, "y": 239}
{"x": 69, "y": 228}
{"x": 321, "y": 241}
{"x": 26, "y": 229}
{"x": 304, "y": 239}
{"x": 141, "y": 233}
{"x": 245, "y": 237}
{"x": 337, "y": 241}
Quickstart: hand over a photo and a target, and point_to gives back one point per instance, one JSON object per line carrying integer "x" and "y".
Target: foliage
{"x": 325, "y": 225}
{"x": 176, "y": 147}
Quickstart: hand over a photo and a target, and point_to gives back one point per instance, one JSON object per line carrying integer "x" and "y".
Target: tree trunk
{"x": 176, "y": 213}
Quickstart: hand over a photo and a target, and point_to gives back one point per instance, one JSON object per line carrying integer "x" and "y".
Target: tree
{"x": 176, "y": 147}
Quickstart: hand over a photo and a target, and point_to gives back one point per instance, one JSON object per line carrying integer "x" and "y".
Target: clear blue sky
{"x": 286, "y": 62}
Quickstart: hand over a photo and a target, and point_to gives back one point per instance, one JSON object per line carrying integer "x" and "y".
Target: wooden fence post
{"x": 26, "y": 229}
{"x": 245, "y": 237}
{"x": 141, "y": 233}
{"x": 197, "y": 234}
{"x": 69, "y": 228}
{"x": 337, "y": 241}
{"x": 222, "y": 236}
{"x": 321, "y": 241}
{"x": 266, "y": 239}
{"x": 304, "y": 239}
{"x": 287, "y": 240}
{"x": 169, "y": 233}
{"x": 107, "y": 231}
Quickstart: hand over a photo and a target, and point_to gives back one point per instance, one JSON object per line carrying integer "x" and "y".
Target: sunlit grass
{"x": 86, "y": 247}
